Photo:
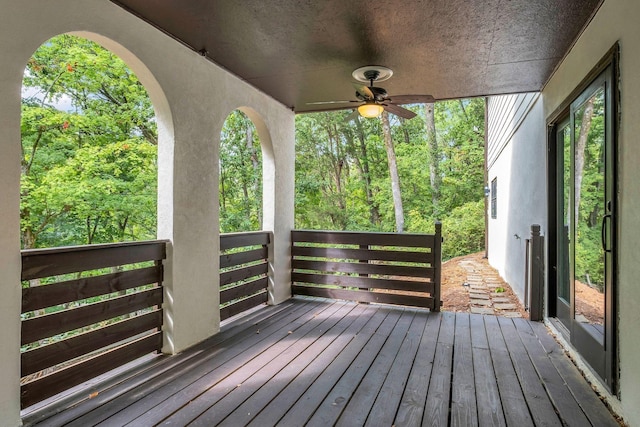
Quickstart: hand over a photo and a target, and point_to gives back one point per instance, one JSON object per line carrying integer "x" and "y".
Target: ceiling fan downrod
{"x": 372, "y": 76}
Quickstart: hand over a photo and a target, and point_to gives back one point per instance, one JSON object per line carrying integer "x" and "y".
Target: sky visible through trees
{"x": 89, "y": 172}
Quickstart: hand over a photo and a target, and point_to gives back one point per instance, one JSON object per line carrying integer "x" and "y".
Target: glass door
{"x": 563, "y": 221}
{"x": 585, "y": 224}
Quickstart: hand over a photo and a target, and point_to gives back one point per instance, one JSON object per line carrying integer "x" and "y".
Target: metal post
{"x": 527, "y": 273}
{"x": 537, "y": 274}
{"x": 437, "y": 266}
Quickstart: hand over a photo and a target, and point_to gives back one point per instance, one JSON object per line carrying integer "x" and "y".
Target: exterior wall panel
{"x": 516, "y": 159}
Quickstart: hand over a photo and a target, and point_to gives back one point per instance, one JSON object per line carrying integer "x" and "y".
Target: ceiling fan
{"x": 373, "y": 100}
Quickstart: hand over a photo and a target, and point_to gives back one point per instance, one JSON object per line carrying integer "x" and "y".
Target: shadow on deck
{"x": 319, "y": 363}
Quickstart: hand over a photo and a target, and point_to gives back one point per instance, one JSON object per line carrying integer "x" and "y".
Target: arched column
{"x": 278, "y": 190}
{"x": 199, "y": 93}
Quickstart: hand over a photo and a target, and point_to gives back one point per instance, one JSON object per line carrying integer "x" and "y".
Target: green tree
{"x": 330, "y": 150}
{"x": 88, "y": 148}
{"x": 240, "y": 175}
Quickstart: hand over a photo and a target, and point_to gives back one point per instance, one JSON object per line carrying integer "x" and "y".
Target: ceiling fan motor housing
{"x": 372, "y": 75}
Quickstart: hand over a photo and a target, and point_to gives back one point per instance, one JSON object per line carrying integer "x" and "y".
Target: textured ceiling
{"x": 301, "y": 52}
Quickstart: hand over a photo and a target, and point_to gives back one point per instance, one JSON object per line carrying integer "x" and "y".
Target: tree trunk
{"x": 581, "y": 145}
{"x": 256, "y": 170}
{"x": 223, "y": 193}
{"x": 374, "y": 212}
{"x": 338, "y": 163}
{"x": 393, "y": 173}
{"x": 434, "y": 156}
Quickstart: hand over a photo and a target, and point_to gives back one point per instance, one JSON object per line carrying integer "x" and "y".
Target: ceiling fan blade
{"x": 411, "y": 99}
{"x": 399, "y": 111}
{"x": 364, "y": 91}
{"x": 352, "y": 116}
{"x": 329, "y": 102}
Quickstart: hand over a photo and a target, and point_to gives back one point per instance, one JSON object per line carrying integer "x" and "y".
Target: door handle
{"x": 603, "y": 232}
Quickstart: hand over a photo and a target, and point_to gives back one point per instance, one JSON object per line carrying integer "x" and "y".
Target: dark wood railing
{"x": 389, "y": 268}
{"x": 87, "y": 310}
{"x": 244, "y": 269}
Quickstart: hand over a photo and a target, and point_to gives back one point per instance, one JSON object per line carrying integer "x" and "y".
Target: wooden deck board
{"x": 305, "y": 406}
{"x": 362, "y": 401}
{"x": 490, "y": 411}
{"x": 231, "y": 376}
{"x": 387, "y": 403}
{"x": 436, "y": 410}
{"x": 464, "y": 411}
{"x": 590, "y": 403}
{"x": 323, "y": 363}
{"x": 239, "y": 406}
{"x": 333, "y": 405}
{"x": 560, "y": 396}
{"x": 283, "y": 402}
{"x": 155, "y": 399}
{"x": 514, "y": 405}
{"x": 540, "y": 406}
{"x": 411, "y": 407}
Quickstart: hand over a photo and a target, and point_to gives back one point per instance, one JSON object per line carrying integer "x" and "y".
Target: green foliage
{"x": 342, "y": 175}
{"x": 89, "y": 169}
{"x": 240, "y": 175}
{"x": 463, "y": 230}
{"x": 589, "y": 255}
{"x": 88, "y": 148}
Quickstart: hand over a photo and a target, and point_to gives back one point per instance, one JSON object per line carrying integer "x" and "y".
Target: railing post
{"x": 537, "y": 274}
{"x": 271, "y": 284}
{"x": 437, "y": 265}
{"x": 364, "y": 261}
{"x": 527, "y": 272}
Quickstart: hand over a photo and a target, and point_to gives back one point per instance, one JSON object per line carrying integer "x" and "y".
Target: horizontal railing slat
{"x": 250, "y": 294}
{"x": 66, "y": 378}
{"x": 363, "y": 268}
{"x": 39, "y": 263}
{"x": 238, "y": 240}
{"x": 392, "y": 268}
{"x": 362, "y": 282}
{"x": 243, "y": 305}
{"x": 362, "y": 254}
{"x": 90, "y": 353}
{"x": 39, "y": 297}
{"x": 363, "y": 238}
{"x": 243, "y": 273}
{"x": 243, "y": 290}
{"x": 43, "y": 357}
{"x": 239, "y": 258}
{"x": 364, "y": 296}
{"x": 53, "y": 324}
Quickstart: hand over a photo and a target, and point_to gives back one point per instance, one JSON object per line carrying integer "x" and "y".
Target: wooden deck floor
{"x": 322, "y": 363}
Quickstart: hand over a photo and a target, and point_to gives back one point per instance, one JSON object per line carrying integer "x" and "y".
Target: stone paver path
{"x": 482, "y": 283}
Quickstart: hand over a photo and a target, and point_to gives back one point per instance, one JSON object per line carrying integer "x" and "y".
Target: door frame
{"x": 611, "y": 59}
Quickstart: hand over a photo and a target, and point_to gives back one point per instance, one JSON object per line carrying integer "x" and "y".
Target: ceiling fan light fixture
{"x": 370, "y": 110}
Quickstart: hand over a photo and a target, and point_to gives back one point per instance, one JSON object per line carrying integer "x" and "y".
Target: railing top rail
{"x": 350, "y": 232}
{"x": 245, "y": 233}
{"x": 41, "y": 263}
{"x": 93, "y": 247}
{"x": 364, "y": 238}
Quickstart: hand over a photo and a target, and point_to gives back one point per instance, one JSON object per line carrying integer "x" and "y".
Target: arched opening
{"x": 241, "y": 188}
{"x": 89, "y": 148}
{"x": 89, "y": 175}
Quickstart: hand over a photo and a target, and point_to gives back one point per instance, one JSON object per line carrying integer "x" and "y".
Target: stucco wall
{"x": 617, "y": 20}
{"x": 192, "y": 99}
{"x": 519, "y": 164}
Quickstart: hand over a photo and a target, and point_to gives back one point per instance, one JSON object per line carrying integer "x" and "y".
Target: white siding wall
{"x": 516, "y": 157}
